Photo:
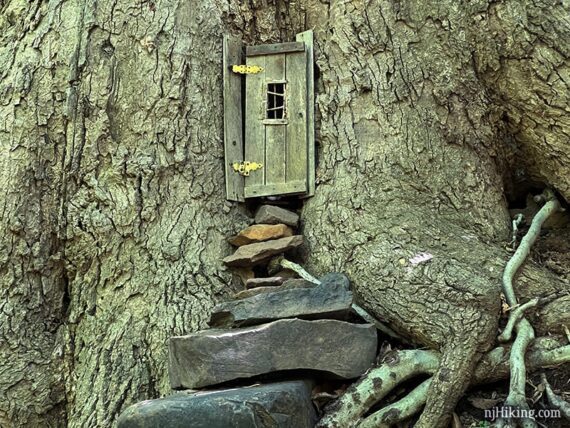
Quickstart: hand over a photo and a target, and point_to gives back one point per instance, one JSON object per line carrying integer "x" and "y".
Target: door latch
{"x": 247, "y": 69}
{"x": 245, "y": 167}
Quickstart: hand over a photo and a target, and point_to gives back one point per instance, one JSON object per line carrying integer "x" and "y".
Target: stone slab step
{"x": 280, "y": 404}
{"x": 336, "y": 349}
{"x": 260, "y": 233}
{"x": 254, "y": 254}
{"x": 331, "y": 299}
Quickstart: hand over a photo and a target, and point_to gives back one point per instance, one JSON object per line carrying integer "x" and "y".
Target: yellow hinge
{"x": 245, "y": 167}
{"x": 247, "y": 69}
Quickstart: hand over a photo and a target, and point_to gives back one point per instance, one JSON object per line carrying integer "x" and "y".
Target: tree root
{"x": 400, "y": 410}
{"x": 396, "y": 367}
{"x": 514, "y": 318}
{"x": 399, "y": 366}
{"x": 554, "y": 400}
{"x": 525, "y": 332}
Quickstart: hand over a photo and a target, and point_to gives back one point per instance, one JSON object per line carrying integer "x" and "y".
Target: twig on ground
{"x": 298, "y": 269}
{"x": 516, "y": 223}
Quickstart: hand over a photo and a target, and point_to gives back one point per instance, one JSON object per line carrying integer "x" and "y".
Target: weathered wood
{"x": 233, "y": 122}
{"x": 296, "y": 144}
{"x": 307, "y": 38}
{"x": 275, "y": 133}
{"x": 281, "y": 145}
{"x": 275, "y": 121}
{"x": 255, "y": 88}
{"x": 290, "y": 187}
{"x": 278, "y": 48}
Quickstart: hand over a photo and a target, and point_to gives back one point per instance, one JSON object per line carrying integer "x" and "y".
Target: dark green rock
{"x": 280, "y": 404}
{"x": 331, "y": 299}
{"x": 336, "y": 349}
{"x": 270, "y": 214}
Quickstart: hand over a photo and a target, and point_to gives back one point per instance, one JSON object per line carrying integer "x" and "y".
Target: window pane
{"x": 275, "y": 101}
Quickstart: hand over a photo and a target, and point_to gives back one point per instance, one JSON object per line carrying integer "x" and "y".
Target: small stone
{"x": 335, "y": 349}
{"x": 254, "y": 254}
{"x": 273, "y": 281}
{"x": 270, "y": 214}
{"x": 279, "y": 404}
{"x": 260, "y": 233}
{"x": 289, "y": 284}
{"x": 330, "y": 299}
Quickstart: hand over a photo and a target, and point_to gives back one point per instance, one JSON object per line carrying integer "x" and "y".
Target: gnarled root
{"x": 524, "y": 330}
{"x": 400, "y": 410}
{"x": 396, "y": 367}
{"x": 556, "y": 401}
{"x": 448, "y": 384}
{"x": 399, "y": 366}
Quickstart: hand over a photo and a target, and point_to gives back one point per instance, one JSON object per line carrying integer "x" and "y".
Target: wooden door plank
{"x": 254, "y": 115}
{"x": 233, "y": 120}
{"x": 307, "y": 38}
{"x": 296, "y": 66}
{"x": 275, "y": 137}
{"x": 289, "y": 188}
{"x": 275, "y": 134}
{"x": 278, "y": 48}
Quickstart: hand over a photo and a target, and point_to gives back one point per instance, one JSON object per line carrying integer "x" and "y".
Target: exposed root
{"x": 396, "y": 367}
{"x": 399, "y": 366}
{"x": 554, "y": 400}
{"x": 400, "y": 410}
{"x": 514, "y": 318}
{"x": 517, "y": 396}
{"x": 525, "y": 332}
{"x": 445, "y": 389}
{"x": 495, "y": 365}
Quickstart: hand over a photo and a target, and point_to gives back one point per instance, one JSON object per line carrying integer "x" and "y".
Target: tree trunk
{"x": 113, "y": 211}
{"x": 416, "y": 144}
{"x": 113, "y": 214}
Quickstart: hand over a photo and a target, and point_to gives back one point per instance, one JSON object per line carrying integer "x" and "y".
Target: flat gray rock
{"x": 280, "y": 404}
{"x": 336, "y": 349}
{"x": 253, "y": 254}
{"x": 270, "y": 214}
{"x": 331, "y": 299}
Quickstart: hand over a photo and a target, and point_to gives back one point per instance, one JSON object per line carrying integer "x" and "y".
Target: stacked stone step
{"x": 272, "y": 234}
{"x": 290, "y": 329}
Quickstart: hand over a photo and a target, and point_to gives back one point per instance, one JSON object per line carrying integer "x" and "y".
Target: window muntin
{"x": 276, "y": 108}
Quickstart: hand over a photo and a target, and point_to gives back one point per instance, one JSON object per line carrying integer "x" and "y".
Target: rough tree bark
{"x": 113, "y": 218}
{"x": 426, "y": 109}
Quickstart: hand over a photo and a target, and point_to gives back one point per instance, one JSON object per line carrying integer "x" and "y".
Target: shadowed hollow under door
{"x": 276, "y": 125}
